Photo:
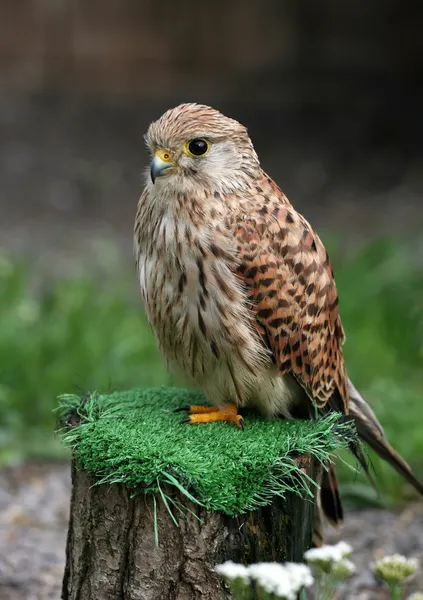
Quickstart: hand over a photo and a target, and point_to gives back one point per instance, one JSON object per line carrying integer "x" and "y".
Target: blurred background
{"x": 332, "y": 94}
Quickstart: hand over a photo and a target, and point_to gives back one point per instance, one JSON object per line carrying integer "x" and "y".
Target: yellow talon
{"x": 210, "y": 414}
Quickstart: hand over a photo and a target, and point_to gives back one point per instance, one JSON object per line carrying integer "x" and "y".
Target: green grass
{"x": 88, "y": 332}
{"x": 135, "y": 438}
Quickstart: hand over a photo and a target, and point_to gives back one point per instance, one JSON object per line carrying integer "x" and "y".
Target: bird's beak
{"x": 161, "y": 164}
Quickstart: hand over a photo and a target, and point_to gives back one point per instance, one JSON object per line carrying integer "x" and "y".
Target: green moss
{"x": 136, "y": 438}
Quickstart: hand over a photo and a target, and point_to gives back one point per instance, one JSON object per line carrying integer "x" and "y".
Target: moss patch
{"x": 135, "y": 438}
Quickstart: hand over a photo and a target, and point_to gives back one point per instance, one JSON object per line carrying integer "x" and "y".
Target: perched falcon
{"x": 238, "y": 287}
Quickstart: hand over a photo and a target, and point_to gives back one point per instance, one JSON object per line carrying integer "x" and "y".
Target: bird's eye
{"x": 197, "y": 147}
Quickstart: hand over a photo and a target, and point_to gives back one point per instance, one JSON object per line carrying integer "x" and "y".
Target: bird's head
{"x": 194, "y": 144}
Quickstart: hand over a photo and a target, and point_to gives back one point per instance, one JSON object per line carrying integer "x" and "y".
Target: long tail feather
{"x": 328, "y": 503}
{"x": 329, "y": 497}
{"x": 370, "y": 431}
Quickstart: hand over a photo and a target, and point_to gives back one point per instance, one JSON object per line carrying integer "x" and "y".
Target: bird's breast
{"x": 194, "y": 300}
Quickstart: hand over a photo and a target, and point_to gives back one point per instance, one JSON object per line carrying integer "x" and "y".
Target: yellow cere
{"x": 164, "y": 155}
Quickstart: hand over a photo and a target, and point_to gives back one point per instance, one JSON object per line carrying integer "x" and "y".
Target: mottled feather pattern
{"x": 292, "y": 290}
{"x": 195, "y": 303}
{"x": 239, "y": 289}
{"x": 237, "y": 286}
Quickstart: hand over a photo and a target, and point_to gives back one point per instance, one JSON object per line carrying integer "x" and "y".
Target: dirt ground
{"x": 34, "y": 507}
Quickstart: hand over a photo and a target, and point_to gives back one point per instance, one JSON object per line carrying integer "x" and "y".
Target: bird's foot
{"x": 210, "y": 414}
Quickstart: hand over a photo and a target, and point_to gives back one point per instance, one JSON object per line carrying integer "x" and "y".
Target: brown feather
{"x": 235, "y": 282}
{"x": 290, "y": 283}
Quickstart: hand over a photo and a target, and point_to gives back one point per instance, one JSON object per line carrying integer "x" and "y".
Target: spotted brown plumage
{"x": 237, "y": 286}
{"x": 290, "y": 283}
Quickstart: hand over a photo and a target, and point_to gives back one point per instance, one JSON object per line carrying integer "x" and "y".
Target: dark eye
{"x": 198, "y": 147}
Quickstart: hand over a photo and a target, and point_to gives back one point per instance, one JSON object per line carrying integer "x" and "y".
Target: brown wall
{"x": 150, "y": 47}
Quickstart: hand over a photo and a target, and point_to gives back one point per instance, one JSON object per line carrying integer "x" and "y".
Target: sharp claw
{"x": 185, "y": 408}
{"x": 186, "y": 420}
{"x": 241, "y": 423}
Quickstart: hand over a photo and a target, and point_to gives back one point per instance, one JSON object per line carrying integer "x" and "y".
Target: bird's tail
{"x": 328, "y": 503}
{"x": 370, "y": 431}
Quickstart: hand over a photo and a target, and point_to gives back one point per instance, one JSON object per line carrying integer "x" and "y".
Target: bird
{"x": 239, "y": 289}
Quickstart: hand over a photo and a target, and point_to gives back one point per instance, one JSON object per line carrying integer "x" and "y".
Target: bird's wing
{"x": 289, "y": 280}
{"x": 290, "y": 283}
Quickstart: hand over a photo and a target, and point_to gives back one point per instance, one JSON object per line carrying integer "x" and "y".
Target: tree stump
{"x": 112, "y": 552}
{"x": 156, "y": 504}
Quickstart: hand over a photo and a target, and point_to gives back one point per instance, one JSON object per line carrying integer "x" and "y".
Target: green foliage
{"x": 135, "y": 437}
{"x": 74, "y": 334}
{"x": 87, "y": 332}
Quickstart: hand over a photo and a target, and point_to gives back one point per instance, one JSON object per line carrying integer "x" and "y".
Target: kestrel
{"x": 238, "y": 287}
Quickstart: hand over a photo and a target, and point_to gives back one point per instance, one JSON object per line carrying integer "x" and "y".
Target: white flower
{"x": 273, "y": 578}
{"x": 283, "y": 580}
{"x": 299, "y": 575}
{"x": 327, "y": 556}
{"x": 344, "y": 548}
{"x": 394, "y": 569}
{"x": 343, "y": 569}
{"x": 232, "y": 570}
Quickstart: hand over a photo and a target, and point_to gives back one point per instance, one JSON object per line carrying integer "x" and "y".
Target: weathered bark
{"x": 111, "y": 551}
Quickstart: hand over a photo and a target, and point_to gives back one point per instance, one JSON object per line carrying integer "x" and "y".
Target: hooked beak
{"x": 160, "y": 165}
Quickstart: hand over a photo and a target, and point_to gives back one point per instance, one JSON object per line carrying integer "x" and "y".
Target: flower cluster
{"x": 282, "y": 580}
{"x": 231, "y": 570}
{"x": 395, "y": 569}
{"x": 327, "y": 557}
{"x": 343, "y": 569}
{"x": 328, "y": 567}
